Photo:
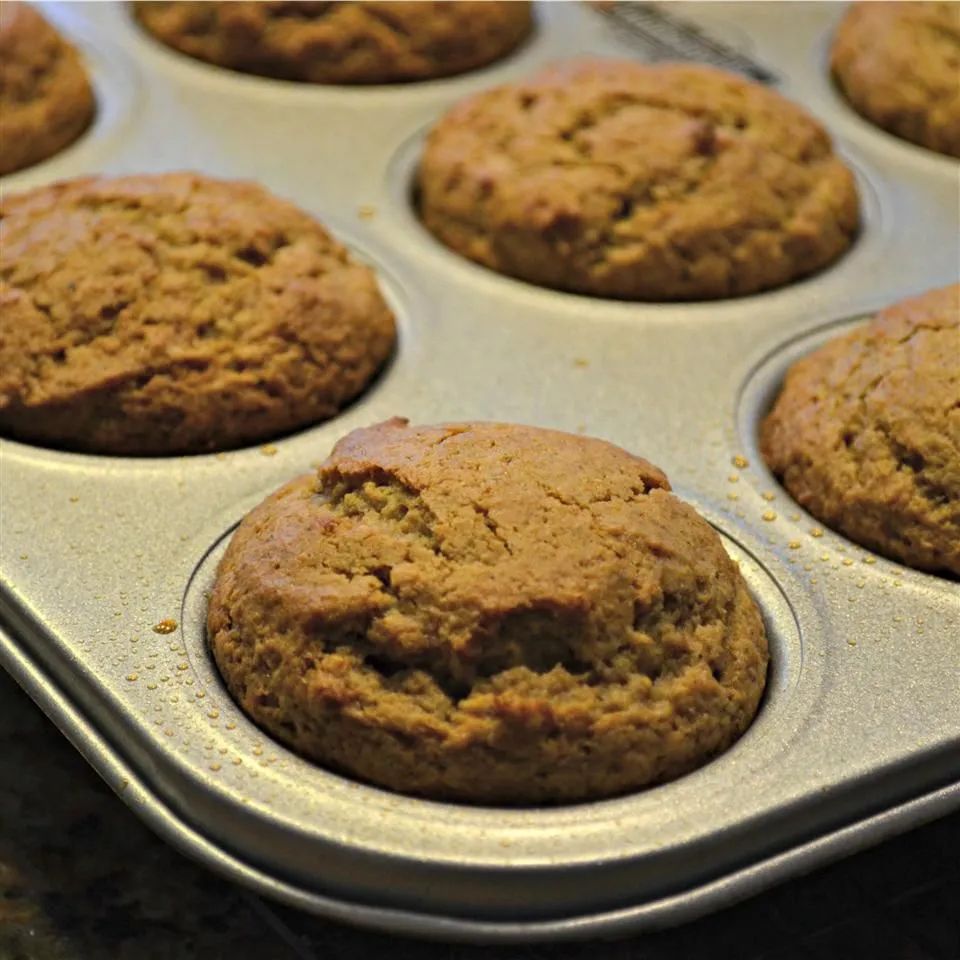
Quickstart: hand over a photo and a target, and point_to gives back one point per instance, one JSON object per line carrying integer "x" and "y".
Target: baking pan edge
{"x": 657, "y": 913}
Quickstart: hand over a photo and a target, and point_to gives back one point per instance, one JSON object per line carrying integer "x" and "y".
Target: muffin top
{"x": 620, "y": 179}
{"x": 175, "y": 313}
{"x": 350, "y": 42}
{"x": 899, "y": 65}
{"x": 45, "y": 96}
{"x": 866, "y": 432}
{"x": 488, "y": 612}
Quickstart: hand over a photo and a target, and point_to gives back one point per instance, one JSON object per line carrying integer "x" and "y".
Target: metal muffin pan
{"x": 859, "y": 733}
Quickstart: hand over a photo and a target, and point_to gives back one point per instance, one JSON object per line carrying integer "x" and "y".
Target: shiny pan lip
{"x": 858, "y": 734}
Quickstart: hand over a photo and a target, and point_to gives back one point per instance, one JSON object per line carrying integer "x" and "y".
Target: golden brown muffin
{"x": 866, "y": 432}
{"x": 175, "y": 313}
{"x": 899, "y": 65}
{"x": 354, "y": 42}
{"x": 45, "y": 96}
{"x": 619, "y": 179}
{"x": 488, "y": 613}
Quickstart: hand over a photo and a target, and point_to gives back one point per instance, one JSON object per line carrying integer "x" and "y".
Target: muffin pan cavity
{"x": 780, "y": 619}
{"x": 117, "y": 96}
{"x": 323, "y": 811}
{"x": 757, "y": 397}
{"x": 106, "y": 561}
{"x": 862, "y": 130}
{"x": 360, "y": 43}
{"x": 373, "y": 311}
{"x": 229, "y": 82}
{"x": 400, "y": 212}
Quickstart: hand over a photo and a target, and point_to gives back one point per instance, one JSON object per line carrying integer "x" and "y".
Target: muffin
{"x": 45, "y": 96}
{"x": 639, "y": 182}
{"x": 899, "y": 65}
{"x": 174, "y": 313}
{"x": 488, "y": 613}
{"x": 865, "y": 433}
{"x": 355, "y": 42}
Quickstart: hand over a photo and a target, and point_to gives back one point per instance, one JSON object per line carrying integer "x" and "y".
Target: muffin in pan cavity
{"x": 175, "y": 313}
{"x": 638, "y": 182}
{"x": 865, "y": 433}
{"x": 488, "y": 613}
{"x": 899, "y": 66}
{"x": 353, "y": 42}
{"x": 46, "y": 100}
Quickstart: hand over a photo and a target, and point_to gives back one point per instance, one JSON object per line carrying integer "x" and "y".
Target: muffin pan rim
{"x": 689, "y": 904}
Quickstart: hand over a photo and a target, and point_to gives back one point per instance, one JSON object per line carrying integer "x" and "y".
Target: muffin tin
{"x": 859, "y": 733}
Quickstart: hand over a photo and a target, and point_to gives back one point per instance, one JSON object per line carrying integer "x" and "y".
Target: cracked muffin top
{"x": 899, "y": 65}
{"x": 349, "y": 42}
{"x": 174, "y": 313}
{"x": 488, "y": 613}
{"x": 45, "y": 97}
{"x": 866, "y": 432}
{"x": 639, "y": 182}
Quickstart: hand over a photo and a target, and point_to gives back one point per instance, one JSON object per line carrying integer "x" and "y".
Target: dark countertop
{"x": 82, "y": 879}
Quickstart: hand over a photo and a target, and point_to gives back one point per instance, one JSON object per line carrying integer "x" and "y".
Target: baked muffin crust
{"x": 45, "y": 97}
{"x": 620, "y": 179}
{"x": 865, "y": 433}
{"x": 174, "y": 313}
{"x": 899, "y": 65}
{"x": 488, "y": 613}
{"x": 342, "y": 42}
